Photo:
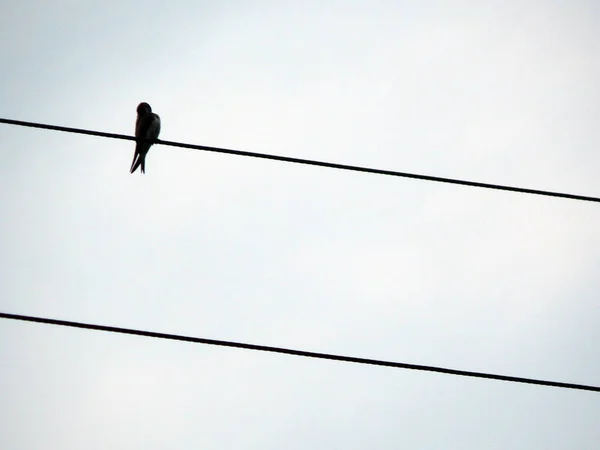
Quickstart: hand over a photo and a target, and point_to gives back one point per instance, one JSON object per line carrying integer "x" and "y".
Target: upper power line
{"x": 313, "y": 162}
{"x": 287, "y": 351}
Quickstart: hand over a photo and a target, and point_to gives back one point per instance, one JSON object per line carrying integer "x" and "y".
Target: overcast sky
{"x": 264, "y": 252}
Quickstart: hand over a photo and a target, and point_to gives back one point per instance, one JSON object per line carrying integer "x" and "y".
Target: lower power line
{"x": 287, "y": 351}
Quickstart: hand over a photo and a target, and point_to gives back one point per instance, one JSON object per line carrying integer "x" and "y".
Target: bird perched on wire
{"x": 147, "y": 129}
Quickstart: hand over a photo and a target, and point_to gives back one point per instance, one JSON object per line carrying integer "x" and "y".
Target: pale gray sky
{"x": 233, "y": 248}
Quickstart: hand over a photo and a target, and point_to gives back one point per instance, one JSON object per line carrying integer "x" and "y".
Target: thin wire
{"x": 313, "y": 162}
{"x": 307, "y": 354}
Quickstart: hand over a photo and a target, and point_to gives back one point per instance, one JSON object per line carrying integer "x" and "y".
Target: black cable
{"x": 313, "y": 162}
{"x": 288, "y": 351}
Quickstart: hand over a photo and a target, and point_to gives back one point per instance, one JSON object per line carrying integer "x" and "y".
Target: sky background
{"x": 235, "y": 248}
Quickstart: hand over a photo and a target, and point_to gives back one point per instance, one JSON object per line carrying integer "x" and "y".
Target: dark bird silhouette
{"x": 147, "y": 129}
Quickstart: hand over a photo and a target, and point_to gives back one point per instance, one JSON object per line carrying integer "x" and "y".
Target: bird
{"x": 147, "y": 129}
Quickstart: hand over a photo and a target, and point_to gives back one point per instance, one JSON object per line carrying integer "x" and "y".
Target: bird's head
{"x": 143, "y": 109}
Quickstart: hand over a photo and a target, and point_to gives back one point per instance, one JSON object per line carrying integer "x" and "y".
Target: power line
{"x": 312, "y": 162}
{"x": 307, "y": 354}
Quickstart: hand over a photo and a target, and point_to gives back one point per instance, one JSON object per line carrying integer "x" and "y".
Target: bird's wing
{"x": 154, "y": 128}
{"x": 142, "y": 125}
{"x": 147, "y": 129}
